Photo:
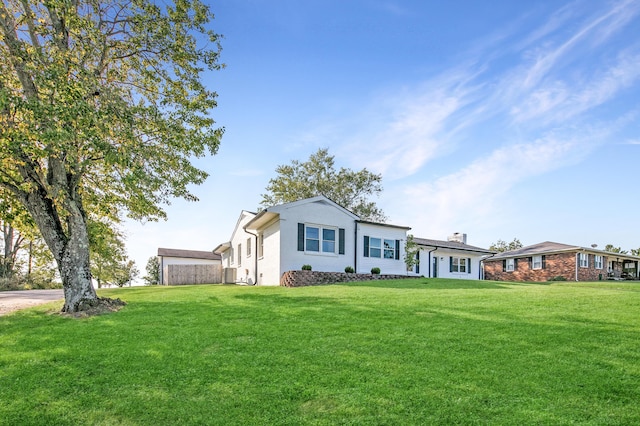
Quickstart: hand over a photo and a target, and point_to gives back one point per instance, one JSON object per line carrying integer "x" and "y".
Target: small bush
{"x": 558, "y": 278}
{"x": 349, "y": 270}
{"x": 375, "y": 270}
{"x": 306, "y": 267}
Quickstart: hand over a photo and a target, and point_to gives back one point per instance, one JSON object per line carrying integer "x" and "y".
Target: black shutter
{"x": 468, "y": 265}
{"x": 544, "y": 261}
{"x": 515, "y": 264}
{"x": 530, "y": 262}
{"x": 397, "y": 249}
{"x": 504, "y": 265}
{"x": 301, "y": 237}
{"x": 341, "y": 241}
{"x": 450, "y": 263}
{"x": 418, "y": 263}
{"x": 366, "y": 246}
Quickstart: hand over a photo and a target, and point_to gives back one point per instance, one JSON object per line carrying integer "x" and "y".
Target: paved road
{"x": 13, "y": 300}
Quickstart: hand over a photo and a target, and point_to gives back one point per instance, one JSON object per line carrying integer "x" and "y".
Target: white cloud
{"x": 477, "y": 192}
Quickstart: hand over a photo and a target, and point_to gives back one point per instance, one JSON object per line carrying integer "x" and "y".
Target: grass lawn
{"x": 401, "y": 352}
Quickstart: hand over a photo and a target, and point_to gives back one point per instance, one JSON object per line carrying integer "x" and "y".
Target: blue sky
{"x": 502, "y": 119}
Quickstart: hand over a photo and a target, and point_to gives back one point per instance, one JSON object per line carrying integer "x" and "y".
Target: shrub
{"x": 306, "y": 267}
{"x": 375, "y": 270}
{"x": 349, "y": 270}
{"x": 558, "y": 278}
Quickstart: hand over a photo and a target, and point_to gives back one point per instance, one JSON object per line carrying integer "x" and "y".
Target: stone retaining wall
{"x": 307, "y": 278}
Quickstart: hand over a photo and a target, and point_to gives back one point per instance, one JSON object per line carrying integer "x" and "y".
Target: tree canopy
{"x": 501, "y": 246}
{"x": 318, "y": 176}
{"x": 102, "y": 107}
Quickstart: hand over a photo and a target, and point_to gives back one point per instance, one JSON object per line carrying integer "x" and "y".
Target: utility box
{"x": 229, "y": 276}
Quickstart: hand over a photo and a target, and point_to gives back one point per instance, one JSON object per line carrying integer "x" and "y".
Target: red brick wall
{"x": 560, "y": 264}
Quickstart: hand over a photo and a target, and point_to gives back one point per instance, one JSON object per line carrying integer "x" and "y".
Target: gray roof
{"x": 189, "y": 254}
{"x": 551, "y": 247}
{"x": 450, "y": 244}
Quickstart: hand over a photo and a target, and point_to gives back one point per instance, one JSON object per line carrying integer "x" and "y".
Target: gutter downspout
{"x": 255, "y": 269}
{"x": 429, "y": 260}
{"x": 161, "y": 270}
{"x": 481, "y": 270}
{"x": 355, "y": 247}
{"x": 577, "y": 257}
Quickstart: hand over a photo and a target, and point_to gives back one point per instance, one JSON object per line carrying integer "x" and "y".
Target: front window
{"x": 598, "y": 260}
{"x": 537, "y": 262}
{"x": 312, "y": 239}
{"x": 329, "y": 240}
{"x": 458, "y": 264}
{"x": 389, "y": 249}
{"x": 511, "y": 265}
{"x": 375, "y": 247}
{"x": 584, "y": 260}
{"x": 320, "y": 239}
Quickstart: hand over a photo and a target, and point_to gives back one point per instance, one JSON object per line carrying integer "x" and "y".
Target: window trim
{"x": 303, "y": 239}
{"x": 459, "y": 265}
{"x": 598, "y": 261}
{"x": 583, "y": 260}
{"x": 510, "y": 265}
{"x": 537, "y": 257}
{"x": 378, "y": 247}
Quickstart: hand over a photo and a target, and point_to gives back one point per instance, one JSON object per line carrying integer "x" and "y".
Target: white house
{"x": 453, "y": 258}
{"x": 314, "y": 231}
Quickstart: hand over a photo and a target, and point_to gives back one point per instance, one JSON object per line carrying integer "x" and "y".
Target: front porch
{"x": 622, "y": 268}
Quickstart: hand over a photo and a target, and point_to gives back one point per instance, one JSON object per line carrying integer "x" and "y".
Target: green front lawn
{"x": 418, "y": 351}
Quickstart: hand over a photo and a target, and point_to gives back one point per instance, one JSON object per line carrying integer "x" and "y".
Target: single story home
{"x": 315, "y": 232}
{"x": 453, "y": 258}
{"x": 169, "y": 257}
{"x": 548, "y": 261}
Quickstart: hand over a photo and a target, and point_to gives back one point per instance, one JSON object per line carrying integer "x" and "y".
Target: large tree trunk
{"x": 75, "y": 269}
{"x": 70, "y": 247}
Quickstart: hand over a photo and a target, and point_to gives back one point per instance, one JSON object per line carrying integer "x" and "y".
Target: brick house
{"x": 548, "y": 260}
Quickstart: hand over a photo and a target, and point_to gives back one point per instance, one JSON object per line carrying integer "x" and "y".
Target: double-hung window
{"x": 389, "y": 249}
{"x": 583, "y": 258}
{"x": 328, "y": 240}
{"x": 536, "y": 262}
{"x": 381, "y": 248}
{"x": 318, "y": 239}
{"x": 598, "y": 261}
{"x": 312, "y": 238}
{"x": 459, "y": 264}
{"x": 375, "y": 247}
{"x": 511, "y": 265}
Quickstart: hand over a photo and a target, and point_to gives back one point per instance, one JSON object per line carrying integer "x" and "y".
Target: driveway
{"x": 13, "y": 300}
